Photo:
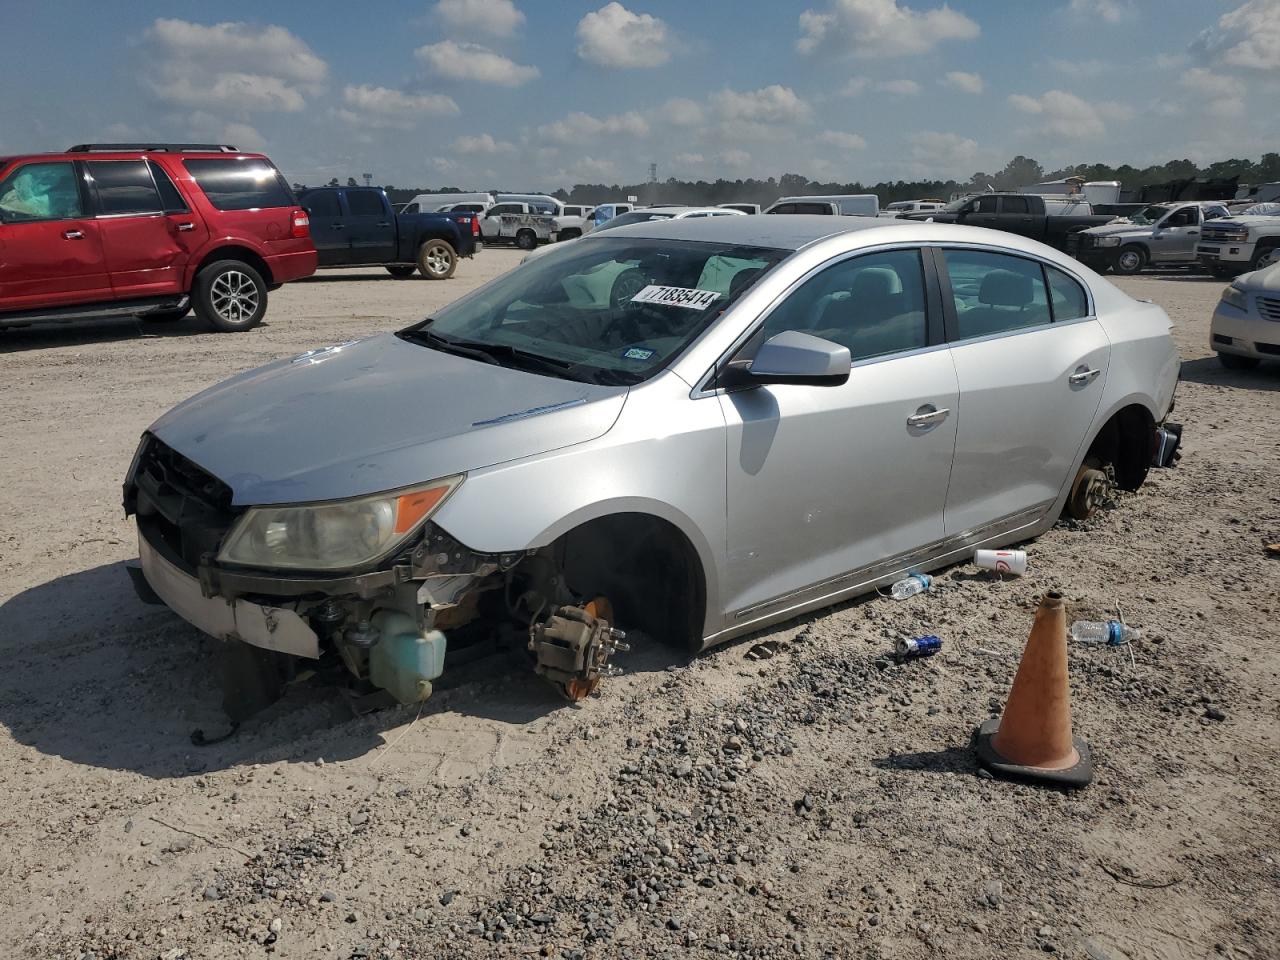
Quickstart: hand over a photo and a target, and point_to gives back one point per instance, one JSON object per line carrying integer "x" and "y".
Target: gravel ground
{"x": 821, "y": 802}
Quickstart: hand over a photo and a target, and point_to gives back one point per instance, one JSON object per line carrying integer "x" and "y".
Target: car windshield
{"x": 955, "y": 206}
{"x": 611, "y": 311}
{"x": 1151, "y": 214}
{"x": 636, "y": 216}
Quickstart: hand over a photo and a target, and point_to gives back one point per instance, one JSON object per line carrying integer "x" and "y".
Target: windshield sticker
{"x": 637, "y": 353}
{"x": 677, "y": 297}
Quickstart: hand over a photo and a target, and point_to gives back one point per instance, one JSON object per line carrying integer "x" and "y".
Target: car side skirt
{"x": 1007, "y": 529}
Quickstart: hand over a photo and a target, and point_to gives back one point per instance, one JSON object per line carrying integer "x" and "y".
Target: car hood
{"x": 1261, "y": 281}
{"x": 373, "y": 415}
{"x": 1120, "y": 230}
{"x": 1257, "y": 220}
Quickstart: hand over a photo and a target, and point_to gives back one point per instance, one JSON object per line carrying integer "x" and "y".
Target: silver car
{"x": 689, "y": 429}
{"x": 1245, "y": 329}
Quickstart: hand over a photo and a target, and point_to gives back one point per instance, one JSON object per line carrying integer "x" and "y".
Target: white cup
{"x": 1002, "y": 561}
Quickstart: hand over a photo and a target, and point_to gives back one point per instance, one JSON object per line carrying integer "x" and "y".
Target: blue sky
{"x": 538, "y": 94}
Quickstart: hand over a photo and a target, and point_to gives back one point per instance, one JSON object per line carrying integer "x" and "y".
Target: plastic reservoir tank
{"x": 405, "y": 660}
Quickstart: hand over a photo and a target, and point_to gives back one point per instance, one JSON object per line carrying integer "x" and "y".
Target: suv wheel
{"x": 230, "y": 296}
{"x": 401, "y": 271}
{"x": 437, "y": 260}
{"x": 1130, "y": 260}
{"x": 1268, "y": 257}
{"x": 526, "y": 239}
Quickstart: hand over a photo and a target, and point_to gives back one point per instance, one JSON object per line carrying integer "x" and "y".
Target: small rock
{"x": 358, "y": 818}
{"x": 328, "y": 897}
{"x": 212, "y": 892}
{"x": 1213, "y": 713}
{"x": 276, "y": 925}
{"x": 673, "y": 923}
{"x": 446, "y": 898}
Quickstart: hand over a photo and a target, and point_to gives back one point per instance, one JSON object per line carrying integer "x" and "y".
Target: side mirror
{"x": 795, "y": 357}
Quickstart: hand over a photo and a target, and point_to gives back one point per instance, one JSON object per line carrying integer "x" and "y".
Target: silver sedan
{"x": 1246, "y": 324}
{"x": 688, "y": 429}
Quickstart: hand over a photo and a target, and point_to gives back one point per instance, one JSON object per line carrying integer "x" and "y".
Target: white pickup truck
{"x": 518, "y": 223}
{"x": 1238, "y": 244}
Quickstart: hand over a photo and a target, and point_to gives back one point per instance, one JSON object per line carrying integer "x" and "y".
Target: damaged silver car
{"x": 689, "y": 429}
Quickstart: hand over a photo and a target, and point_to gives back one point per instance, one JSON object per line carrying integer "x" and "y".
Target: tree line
{"x": 1018, "y": 172}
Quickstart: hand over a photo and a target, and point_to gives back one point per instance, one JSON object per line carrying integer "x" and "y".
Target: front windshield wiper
{"x": 446, "y": 345}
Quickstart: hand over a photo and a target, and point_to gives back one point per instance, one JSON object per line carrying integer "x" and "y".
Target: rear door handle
{"x": 928, "y": 417}
{"x": 1083, "y": 376}
{"x": 72, "y": 234}
{"x": 186, "y": 227}
{"x": 384, "y": 223}
{"x": 337, "y": 226}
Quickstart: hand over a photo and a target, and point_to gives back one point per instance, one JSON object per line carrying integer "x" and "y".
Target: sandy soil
{"x": 820, "y": 803}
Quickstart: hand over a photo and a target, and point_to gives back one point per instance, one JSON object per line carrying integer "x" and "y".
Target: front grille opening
{"x": 181, "y": 506}
{"x": 1219, "y": 338}
{"x": 1269, "y": 348}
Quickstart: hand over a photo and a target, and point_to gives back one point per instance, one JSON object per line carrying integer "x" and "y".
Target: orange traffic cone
{"x": 1032, "y": 740}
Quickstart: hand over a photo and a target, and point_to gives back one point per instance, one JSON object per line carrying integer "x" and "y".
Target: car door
{"x": 50, "y": 248}
{"x": 827, "y": 483}
{"x": 1174, "y": 238}
{"x": 370, "y": 229}
{"x": 147, "y": 239}
{"x": 1031, "y": 362}
{"x": 1016, "y": 217}
{"x": 328, "y": 227}
{"x": 491, "y": 225}
{"x": 983, "y": 212}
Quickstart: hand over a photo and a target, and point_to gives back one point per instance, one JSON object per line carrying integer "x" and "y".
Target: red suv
{"x": 151, "y": 230}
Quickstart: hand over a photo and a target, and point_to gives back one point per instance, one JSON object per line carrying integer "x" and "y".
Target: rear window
{"x": 240, "y": 184}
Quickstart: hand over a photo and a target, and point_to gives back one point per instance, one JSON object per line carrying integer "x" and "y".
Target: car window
{"x": 322, "y": 204}
{"x": 1016, "y": 205}
{"x": 1069, "y": 299}
{"x": 245, "y": 183}
{"x": 410, "y": 208}
{"x": 41, "y": 191}
{"x": 1186, "y": 217}
{"x": 1213, "y": 213}
{"x": 364, "y": 203}
{"x": 173, "y": 201}
{"x": 995, "y": 292}
{"x": 124, "y": 187}
{"x": 872, "y": 304}
{"x": 615, "y": 310}
{"x": 987, "y": 205}
{"x": 819, "y": 209}
{"x": 504, "y": 208}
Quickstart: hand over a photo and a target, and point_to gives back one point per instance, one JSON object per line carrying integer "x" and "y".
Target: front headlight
{"x": 1107, "y": 241}
{"x": 1236, "y": 298}
{"x": 335, "y": 535}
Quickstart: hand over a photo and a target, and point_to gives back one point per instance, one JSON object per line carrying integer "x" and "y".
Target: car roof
{"x": 135, "y": 154}
{"x": 756, "y": 230}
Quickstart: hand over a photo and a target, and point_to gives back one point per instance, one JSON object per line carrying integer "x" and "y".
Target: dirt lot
{"x": 820, "y": 803}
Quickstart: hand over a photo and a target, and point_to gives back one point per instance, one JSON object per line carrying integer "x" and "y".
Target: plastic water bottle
{"x": 1111, "y": 632}
{"x": 910, "y": 586}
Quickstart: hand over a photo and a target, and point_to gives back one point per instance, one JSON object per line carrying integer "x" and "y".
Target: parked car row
{"x": 155, "y": 230}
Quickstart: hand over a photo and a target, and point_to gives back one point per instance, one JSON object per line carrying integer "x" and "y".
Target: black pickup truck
{"x": 355, "y": 226}
{"x": 1020, "y": 213}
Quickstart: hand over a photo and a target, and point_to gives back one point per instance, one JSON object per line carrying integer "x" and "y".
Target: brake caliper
{"x": 572, "y": 647}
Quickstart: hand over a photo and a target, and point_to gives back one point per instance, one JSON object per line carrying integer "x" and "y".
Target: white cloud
{"x": 232, "y": 66}
{"x": 1248, "y": 37}
{"x": 880, "y": 28}
{"x": 1069, "y": 117}
{"x": 1219, "y": 94}
{"x": 587, "y": 170}
{"x": 497, "y": 17}
{"x": 937, "y": 154}
{"x": 1109, "y": 11}
{"x": 1081, "y": 68}
{"x": 579, "y": 127}
{"x": 774, "y": 104}
{"x": 470, "y": 61}
{"x": 615, "y": 37}
{"x": 856, "y": 86}
{"x": 371, "y": 106}
{"x": 845, "y": 141}
{"x": 481, "y": 143}
{"x": 682, "y": 112}
{"x": 243, "y": 136}
{"x": 734, "y": 158}
{"x": 965, "y": 82}
{"x": 901, "y": 88}
{"x": 688, "y": 159}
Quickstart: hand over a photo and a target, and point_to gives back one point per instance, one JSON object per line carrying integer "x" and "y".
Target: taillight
{"x": 301, "y": 225}
{"x": 475, "y": 226}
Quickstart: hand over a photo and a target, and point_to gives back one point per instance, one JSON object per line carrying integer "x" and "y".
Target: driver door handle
{"x": 72, "y": 234}
{"x": 927, "y": 418}
{"x": 1083, "y": 376}
{"x": 186, "y": 227}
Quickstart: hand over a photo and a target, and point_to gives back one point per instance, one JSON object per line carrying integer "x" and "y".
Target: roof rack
{"x": 153, "y": 147}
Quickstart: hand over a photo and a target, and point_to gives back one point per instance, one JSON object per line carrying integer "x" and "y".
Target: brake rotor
{"x": 1091, "y": 489}
{"x": 577, "y": 688}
